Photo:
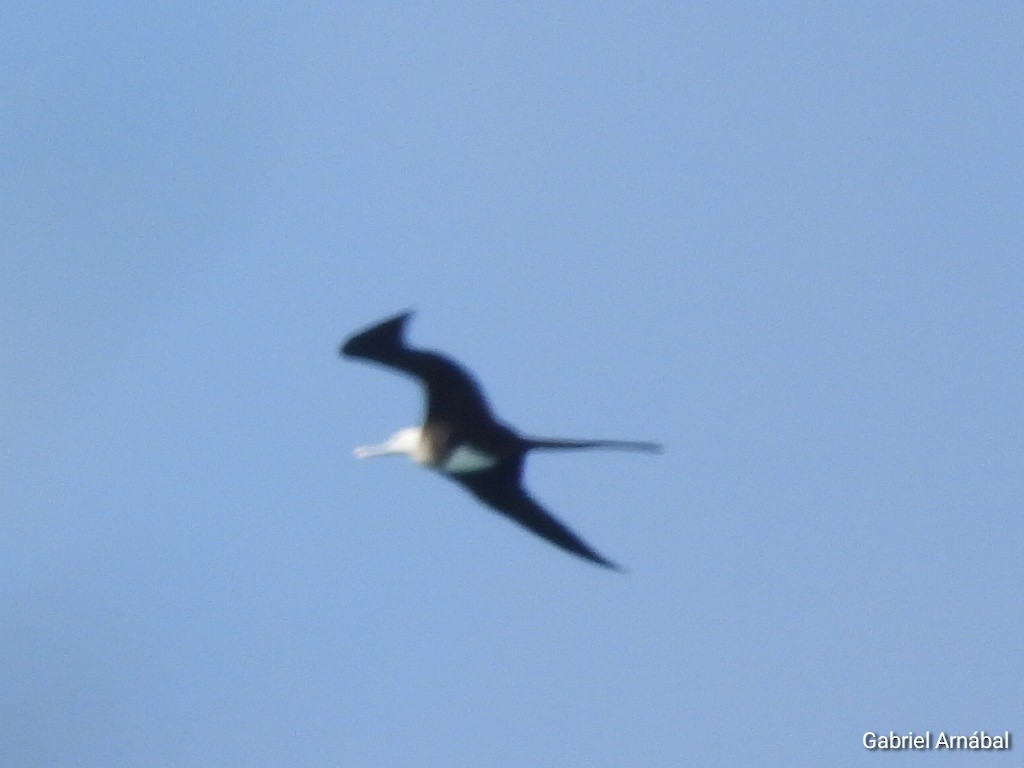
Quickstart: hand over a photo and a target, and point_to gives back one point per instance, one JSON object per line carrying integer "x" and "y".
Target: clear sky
{"x": 785, "y": 239}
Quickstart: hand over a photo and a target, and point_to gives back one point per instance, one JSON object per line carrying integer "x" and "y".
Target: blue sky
{"x": 786, "y": 242}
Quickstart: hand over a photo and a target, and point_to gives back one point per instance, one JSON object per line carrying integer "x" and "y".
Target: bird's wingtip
{"x": 384, "y": 335}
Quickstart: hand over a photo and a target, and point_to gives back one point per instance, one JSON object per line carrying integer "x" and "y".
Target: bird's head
{"x": 408, "y": 441}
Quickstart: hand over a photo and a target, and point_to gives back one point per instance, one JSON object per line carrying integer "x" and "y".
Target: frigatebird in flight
{"x": 462, "y": 439}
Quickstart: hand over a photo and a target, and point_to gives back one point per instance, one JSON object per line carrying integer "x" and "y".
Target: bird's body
{"x": 461, "y": 438}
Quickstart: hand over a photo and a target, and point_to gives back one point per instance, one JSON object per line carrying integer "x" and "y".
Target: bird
{"x": 461, "y": 438}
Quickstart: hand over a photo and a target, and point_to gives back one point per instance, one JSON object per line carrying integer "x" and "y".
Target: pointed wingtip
{"x": 384, "y": 335}
{"x": 612, "y": 566}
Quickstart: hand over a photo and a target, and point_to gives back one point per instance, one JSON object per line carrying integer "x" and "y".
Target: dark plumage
{"x": 461, "y": 438}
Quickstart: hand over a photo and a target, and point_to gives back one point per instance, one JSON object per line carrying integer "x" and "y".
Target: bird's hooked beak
{"x": 368, "y": 451}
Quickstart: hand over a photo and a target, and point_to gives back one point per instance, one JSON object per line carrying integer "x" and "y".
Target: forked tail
{"x": 617, "y": 445}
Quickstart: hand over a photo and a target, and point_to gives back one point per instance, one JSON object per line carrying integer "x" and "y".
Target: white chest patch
{"x": 467, "y": 459}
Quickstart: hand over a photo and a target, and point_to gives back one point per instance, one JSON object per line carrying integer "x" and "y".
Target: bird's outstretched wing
{"x": 452, "y": 393}
{"x": 500, "y": 489}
